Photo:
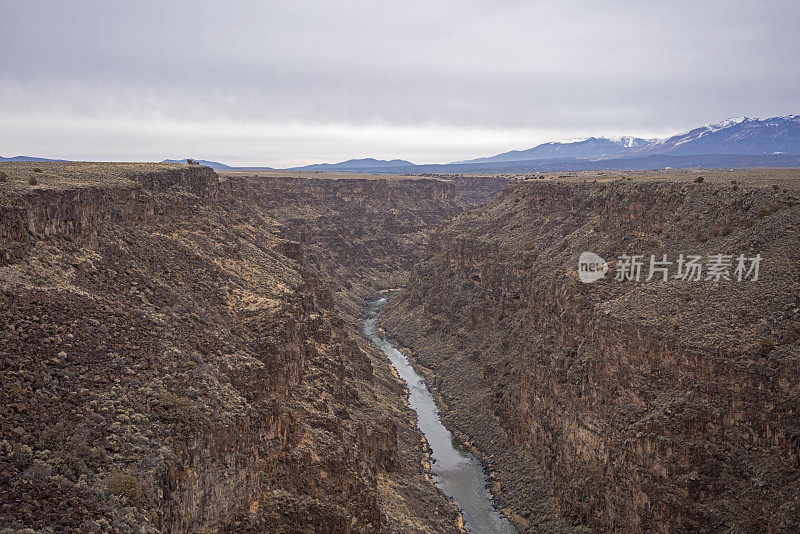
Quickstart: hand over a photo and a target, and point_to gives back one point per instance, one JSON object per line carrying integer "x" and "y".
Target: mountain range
{"x": 735, "y": 142}
{"x": 740, "y": 135}
{"x": 590, "y": 147}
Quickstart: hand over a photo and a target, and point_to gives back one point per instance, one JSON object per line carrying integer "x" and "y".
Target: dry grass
{"x": 66, "y": 175}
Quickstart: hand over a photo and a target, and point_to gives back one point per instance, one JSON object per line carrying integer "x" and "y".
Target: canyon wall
{"x": 663, "y": 406}
{"x": 364, "y": 234}
{"x": 177, "y": 357}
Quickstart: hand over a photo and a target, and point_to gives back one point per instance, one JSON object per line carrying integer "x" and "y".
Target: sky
{"x": 291, "y": 83}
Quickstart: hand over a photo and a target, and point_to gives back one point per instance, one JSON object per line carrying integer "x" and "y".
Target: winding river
{"x": 455, "y": 471}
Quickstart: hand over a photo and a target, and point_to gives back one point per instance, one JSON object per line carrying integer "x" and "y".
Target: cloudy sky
{"x": 288, "y": 83}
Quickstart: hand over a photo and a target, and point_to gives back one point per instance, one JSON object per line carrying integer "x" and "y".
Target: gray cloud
{"x": 420, "y": 80}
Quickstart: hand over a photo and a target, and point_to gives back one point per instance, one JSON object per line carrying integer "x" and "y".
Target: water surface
{"x": 455, "y": 471}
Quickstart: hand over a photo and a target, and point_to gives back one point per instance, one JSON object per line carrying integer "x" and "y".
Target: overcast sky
{"x": 289, "y": 83}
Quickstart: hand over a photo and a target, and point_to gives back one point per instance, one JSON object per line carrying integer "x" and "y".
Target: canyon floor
{"x": 179, "y": 349}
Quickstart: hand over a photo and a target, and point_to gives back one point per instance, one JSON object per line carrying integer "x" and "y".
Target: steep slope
{"x": 170, "y": 362}
{"x": 651, "y": 406}
{"x": 364, "y": 234}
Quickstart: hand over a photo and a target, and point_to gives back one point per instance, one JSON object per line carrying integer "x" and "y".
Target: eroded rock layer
{"x": 653, "y": 406}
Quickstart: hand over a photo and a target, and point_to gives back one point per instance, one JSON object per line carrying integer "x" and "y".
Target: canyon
{"x": 663, "y": 406}
{"x": 179, "y": 352}
{"x": 181, "y": 349}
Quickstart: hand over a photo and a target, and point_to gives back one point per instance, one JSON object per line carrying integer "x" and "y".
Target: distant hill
{"x": 356, "y": 165}
{"x": 217, "y": 166}
{"x": 736, "y": 142}
{"x": 656, "y": 161}
{"x": 591, "y": 147}
{"x": 213, "y": 164}
{"x": 28, "y": 158}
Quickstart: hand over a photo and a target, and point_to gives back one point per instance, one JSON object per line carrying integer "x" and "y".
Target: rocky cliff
{"x": 174, "y": 358}
{"x": 477, "y": 189}
{"x": 363, "y": 233}
{"x": 620, "y": 405}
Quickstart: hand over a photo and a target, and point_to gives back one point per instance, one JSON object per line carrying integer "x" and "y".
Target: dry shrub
{"x": 127, "y": 487}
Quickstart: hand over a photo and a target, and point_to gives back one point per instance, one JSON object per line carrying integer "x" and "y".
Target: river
{"x": 455, "y": 470}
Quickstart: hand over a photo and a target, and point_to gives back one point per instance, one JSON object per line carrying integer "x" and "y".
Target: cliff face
{"x": 172, "y": 362}
{"x": 655, "y": 406}
{"x": 478, "y": 189}
{"x": 363, "y": 234}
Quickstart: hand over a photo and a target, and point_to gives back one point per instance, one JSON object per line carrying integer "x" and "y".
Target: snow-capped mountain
{"x": 628, "y": 141}
{"x": 739, "y": 135}
{"x": 591, "y": 147}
